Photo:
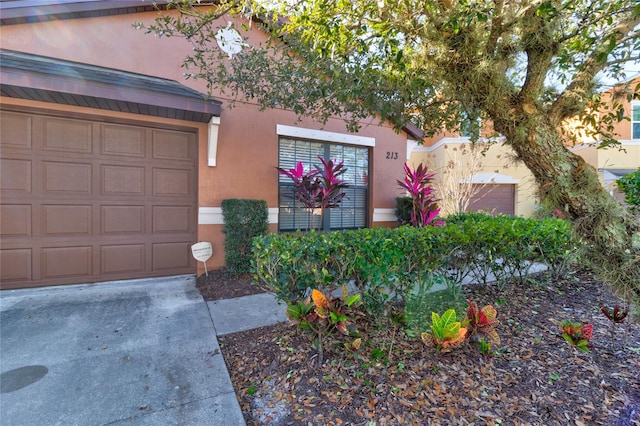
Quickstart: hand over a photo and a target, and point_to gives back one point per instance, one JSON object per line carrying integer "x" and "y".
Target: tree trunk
{"x": 568, "y": 183}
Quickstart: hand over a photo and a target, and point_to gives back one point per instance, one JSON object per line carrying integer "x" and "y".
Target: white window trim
{"x": 324, "y": 136}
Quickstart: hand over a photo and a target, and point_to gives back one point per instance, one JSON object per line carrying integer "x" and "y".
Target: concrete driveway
{"x": 132, "y": 352}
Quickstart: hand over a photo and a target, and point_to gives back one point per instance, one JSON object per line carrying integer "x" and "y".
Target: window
{"x": 353, "y": 211}
{"x": 635, "y": 122}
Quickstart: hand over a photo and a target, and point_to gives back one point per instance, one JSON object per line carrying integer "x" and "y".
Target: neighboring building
{"x": 613, "y": 163}
{"x": 113, "y": 164}
{"x": 508, "y": 187}
{"x": 502, "y": 185}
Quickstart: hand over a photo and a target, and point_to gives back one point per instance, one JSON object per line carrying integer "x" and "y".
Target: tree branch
{"x": 573, "y": 100}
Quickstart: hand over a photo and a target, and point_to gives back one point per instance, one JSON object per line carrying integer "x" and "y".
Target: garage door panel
{"x": 125, "y": 141}
{"x": 494, "y": 198}
{"x": 16, "y": 220}
{"x": 63, "y": 262}
{"x": 171, "y": 255}
{"x": 15, "y": 175}
{"x": 67, "y": 136}
{"x": 16, "y": 130}
{"x": 172, "y": 182}
{"x": 172, "y": 218}
{"x": 15, "y": 265}
{"x": 172, "y": 146}
{"x": 67, "y": 177}
{"x": 123, "y": 180}
{"x": 123, "y": 219}
{"x": 67, "y": 219}
{"x": 121, "y": 258}
{"x": 93, "y": 201}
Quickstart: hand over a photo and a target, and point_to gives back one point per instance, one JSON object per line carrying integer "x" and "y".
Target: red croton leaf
{"x": 587, "y": 331}
{"x": 342, "y": 328}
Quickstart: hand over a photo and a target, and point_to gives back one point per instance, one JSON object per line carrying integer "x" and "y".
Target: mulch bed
{"x": 222, "y": 284}
{"x": 533, "y": 378}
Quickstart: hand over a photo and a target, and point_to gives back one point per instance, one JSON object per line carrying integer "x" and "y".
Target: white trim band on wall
{"x": 384, "y": 215}
{"x": 213, "y": 215}
{"x": 324, "y": 136}
{"x": 453, "y": 141}
{"x": 490, "y": 178}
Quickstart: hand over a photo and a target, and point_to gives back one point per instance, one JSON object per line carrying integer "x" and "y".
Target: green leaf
{"x": 451, "y": 330}
{"x": 351, "y": 300}
{"x": 293, "y": 311}
{"x": 568, "y": 338}
{"x": 583, "y": 346}
{"x": 546, "y": 9}
{"x": 436, "y": 322}
{"x": 449, "y": 317}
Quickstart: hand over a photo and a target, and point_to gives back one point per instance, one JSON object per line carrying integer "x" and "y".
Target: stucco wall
{"x": 497, "y": 161}
{"x": 627, "y": 156}
{"x": 622, "y": 129}
{"x": 247, "y": 151}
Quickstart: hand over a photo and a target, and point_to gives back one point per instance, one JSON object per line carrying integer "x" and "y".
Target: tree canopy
{"x": 526, "y": 66}
{"x": 427, "y": 63}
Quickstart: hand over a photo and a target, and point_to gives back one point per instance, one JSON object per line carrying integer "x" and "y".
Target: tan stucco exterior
{"x": 247, "y": 148}
{"x": 497, "y": 166}
{"x": 613, "y": 161}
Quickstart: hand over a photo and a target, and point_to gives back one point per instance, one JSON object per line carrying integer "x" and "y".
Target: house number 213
{"x": 392, "y": 155}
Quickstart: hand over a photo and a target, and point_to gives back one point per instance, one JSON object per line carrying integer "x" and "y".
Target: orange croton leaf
{"x": 462, "y": 333}
{"x": 319, "y": 299}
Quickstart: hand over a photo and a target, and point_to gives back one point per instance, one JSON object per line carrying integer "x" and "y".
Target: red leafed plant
{"x": 417, "y": 183}
{"x": 321, "y": 188}
{"x": 577, "y": 334}
{"x": 482, "y": 323}
{"x": 617, "y": 315}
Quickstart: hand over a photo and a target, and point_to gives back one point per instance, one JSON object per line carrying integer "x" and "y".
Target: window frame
{"x": 353, "y": 187}
{"x": 635, "y": 124}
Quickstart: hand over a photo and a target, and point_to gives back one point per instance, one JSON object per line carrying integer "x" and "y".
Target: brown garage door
{"x": 495, "y": 199}
{"x": 87, "y": 201}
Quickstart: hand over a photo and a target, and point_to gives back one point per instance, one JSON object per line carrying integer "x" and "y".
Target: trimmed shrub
{"x": 386, "y": 264}
{"x": 630, "y": 186}
{"x": 243, "y": 220}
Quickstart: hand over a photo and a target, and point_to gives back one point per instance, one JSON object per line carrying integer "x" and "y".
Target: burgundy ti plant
{"x": 330, "y": 192}
{"x": 417, "y": 184}
{"x": 320, "y": 188}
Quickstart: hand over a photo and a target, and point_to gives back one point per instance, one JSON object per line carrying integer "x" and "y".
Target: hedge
{"x": 243, "y": 220}
{"x": 384, "y": 264}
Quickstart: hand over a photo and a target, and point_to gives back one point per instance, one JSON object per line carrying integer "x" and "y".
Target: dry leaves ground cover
{"x": 533, "y": 378}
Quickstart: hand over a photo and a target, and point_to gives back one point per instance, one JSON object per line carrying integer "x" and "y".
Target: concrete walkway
{"x": 246, "y": 313}
{"x": 125, "y": 353}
